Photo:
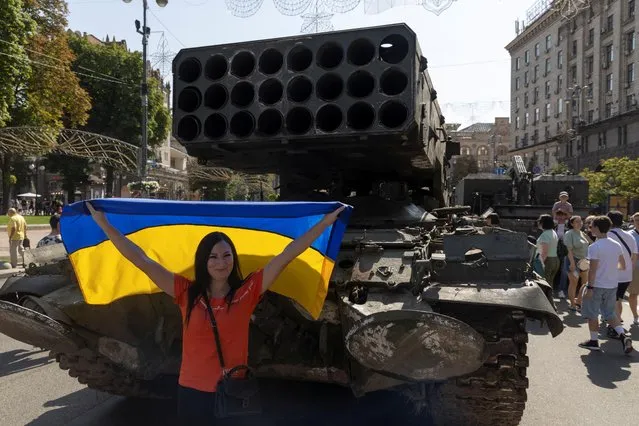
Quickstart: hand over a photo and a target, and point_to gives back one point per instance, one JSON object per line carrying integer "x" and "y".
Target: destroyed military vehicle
{"x": 417, "y": 304}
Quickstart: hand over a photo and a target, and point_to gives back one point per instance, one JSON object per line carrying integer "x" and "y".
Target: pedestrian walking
{"x": 17, "y": 231}
{"x": 547, "y": 248}
{"x": 606, "y": 259}
{"x": 633, "y": 288}
{"x": 629, "y": 245}
{"x": 577, "y": 243}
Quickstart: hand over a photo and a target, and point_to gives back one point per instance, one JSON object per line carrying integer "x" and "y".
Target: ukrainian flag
{"x": 170, "y": 231}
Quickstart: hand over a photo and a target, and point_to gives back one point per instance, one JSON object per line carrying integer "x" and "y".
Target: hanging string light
{"x": 317, "y": 13}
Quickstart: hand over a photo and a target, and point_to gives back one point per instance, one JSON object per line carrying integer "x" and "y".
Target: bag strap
{"x": 216, "y": 332}
{"x": 623, "y": 242}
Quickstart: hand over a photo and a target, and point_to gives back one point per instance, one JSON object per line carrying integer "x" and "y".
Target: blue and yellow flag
{"x": 170, "y": 231}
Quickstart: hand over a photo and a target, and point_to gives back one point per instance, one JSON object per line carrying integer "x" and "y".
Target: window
{"x": 526, "y": 57}
{"x": 591, "y": 37}
{"x": 590, "y": 64}
{"x": 517, "y": 64}
{"x": 516, "y": 141}
{"x": 465, "y": 150}
{"x": 609, "y": 22}
{"x": 536, "y": 115}
{"x": 609, "y": 82}
{"x": 630, "y": 73}
{"x": 526, "y": 100}
{"x": 591, "y": 116}
{"x": 547, "y": 112}
{"x": 536, "y": 50}
{"x": 560, "y": 59}
{"x": 482, "y": 151}
{"x": 536, "y": 95}
{"x": 517, "y": 84}
{"x": 535, "y": 73}
{"x": 527, "y": 119}
{"x": 517, "y": 122}
{"x": 547, "y": 67}
{"x": 630, "y": 102}
{"x": 560, "y": 82}
{"x": 609, "y": 54}
{"x": 560, "y": 106}
{"x": 631, "y": 8}
{"x": 547, "y": 91}
{"x": 630, "y": 41}
{"x": 573, "y": 73}
{"x": 574, "y": 48}
{"x": 548, "y": 42}
{"x": 623, "y": 139}
{"x": 516, "y": 103}
{"x": 608, "y": 110}
{"x": 526, "y": 77}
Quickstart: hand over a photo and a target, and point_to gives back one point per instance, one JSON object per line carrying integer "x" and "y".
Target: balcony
{"x": 592, "y": 159}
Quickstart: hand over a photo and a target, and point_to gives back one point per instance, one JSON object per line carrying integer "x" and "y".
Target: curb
{"x": 38, "y": 227}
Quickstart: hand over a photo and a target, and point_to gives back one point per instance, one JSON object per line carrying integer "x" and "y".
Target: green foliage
{"x": 618, "y": 176}
{"x": 559, "y": 169}
{"x": 15, "y": 27}
{"x": 116, "y": 108}
{"x": 465, "y": 165}
{"x": 51, "y": 95}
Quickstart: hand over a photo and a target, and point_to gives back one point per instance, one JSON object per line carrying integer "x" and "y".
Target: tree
{"x": 15, "y": 25}
{"x": 617, "y": 176}
{"x": 116, "y": 108}
{"x": 47, "y": 93}
{"x": 465, "y": 165}
{"x": 74, "y": 170}
{"x": 559, "y": 169}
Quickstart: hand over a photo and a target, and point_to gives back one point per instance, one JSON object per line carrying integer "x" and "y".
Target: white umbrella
{"x": 28, "y": 195}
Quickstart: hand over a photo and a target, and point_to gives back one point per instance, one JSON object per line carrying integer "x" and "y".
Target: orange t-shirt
{"x": 200, "y": 367}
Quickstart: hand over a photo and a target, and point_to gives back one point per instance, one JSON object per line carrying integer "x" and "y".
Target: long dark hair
{"x": 202, "y": 278}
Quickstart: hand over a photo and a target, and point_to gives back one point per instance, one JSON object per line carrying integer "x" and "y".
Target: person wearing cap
{"x": 562, "y": 205}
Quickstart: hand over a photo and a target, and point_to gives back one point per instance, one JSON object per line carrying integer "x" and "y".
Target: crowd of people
{"x": 592, "y": 263}
{"x": 18, "y": 237}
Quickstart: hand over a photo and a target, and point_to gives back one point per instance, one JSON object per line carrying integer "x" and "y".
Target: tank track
{"x": 99, "y": 373}
{"x": 496, "y": 393}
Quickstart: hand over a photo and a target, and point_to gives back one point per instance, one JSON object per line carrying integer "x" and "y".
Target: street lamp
{"x": 144, "y": 89}
{"x": 34, "y": 169}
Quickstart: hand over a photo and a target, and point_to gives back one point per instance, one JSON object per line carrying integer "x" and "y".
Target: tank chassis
{"x": 416, "y": 303}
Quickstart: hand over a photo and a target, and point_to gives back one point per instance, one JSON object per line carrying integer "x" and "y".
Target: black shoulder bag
{"x": 234, "y": 396}
{"x": 623, "y": 242}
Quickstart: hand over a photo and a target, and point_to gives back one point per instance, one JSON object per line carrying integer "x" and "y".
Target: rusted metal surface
{"x": 28, "y": 326}
{"x": 416, "y": 345}
{"x": 527, "y": 297}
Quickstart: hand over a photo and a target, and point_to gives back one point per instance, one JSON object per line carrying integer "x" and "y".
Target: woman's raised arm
{"x": 162, "y": 277}
{"x": 275, "y": 267}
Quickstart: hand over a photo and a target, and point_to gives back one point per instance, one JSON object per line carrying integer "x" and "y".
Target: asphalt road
{"x": 568, "y": 386}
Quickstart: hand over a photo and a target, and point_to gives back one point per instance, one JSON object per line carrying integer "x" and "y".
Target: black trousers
{"x": 196, "y": 407}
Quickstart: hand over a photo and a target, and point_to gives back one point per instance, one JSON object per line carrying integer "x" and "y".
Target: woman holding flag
{"x": 216, "y": 309}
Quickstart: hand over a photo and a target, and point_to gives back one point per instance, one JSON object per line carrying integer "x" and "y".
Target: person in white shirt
{"x": 606, "y": 259}
{"x": 629, "y": 246}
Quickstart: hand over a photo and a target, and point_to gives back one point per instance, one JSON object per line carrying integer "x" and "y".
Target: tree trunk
{"x": 70, "y": 187}
{"x": 6, "y": 182}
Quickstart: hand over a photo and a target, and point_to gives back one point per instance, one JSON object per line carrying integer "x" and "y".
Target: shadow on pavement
{"x": 285, "y": 404}
{"x": 17, "y": 360}
{"x": 610, "y": 365}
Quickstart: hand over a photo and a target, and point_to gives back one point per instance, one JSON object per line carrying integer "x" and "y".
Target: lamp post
{"x": 144, "y": 89}
{"x": 34, "y": 169}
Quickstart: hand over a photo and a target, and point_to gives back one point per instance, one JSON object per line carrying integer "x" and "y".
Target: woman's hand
{"x": 573, "y": 268}
{"x": 330, "y": 218}
{"x": 98, "y": 216}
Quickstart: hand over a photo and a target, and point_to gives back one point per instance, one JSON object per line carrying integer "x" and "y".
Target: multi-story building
{"x": 487, "y": 142}
{"x": 573, "y": 85}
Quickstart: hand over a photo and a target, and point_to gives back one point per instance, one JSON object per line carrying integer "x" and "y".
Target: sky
{"x": 464, "y": 45}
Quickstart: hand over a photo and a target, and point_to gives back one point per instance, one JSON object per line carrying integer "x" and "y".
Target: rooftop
{"x": 479, "y": 128}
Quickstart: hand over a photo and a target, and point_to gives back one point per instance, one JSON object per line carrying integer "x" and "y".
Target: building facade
{"x": 573, "y": 88}
{"x": 487, "y": 142}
